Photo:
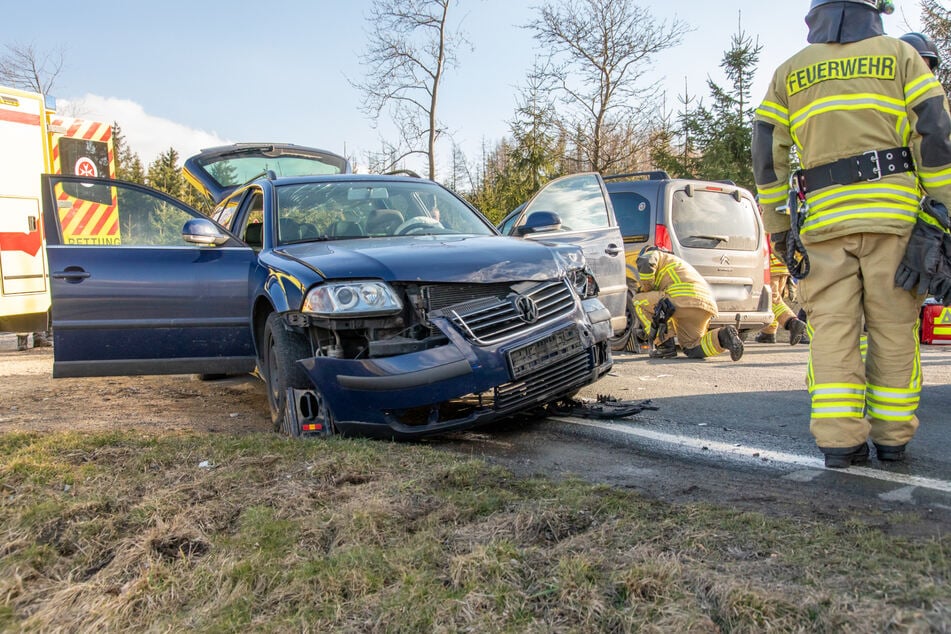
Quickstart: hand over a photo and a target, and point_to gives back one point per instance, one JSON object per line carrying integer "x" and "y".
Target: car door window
{"x": 633, "y": 213}
{"x": 578, "y": 200}
{"x": 131, "y": 217}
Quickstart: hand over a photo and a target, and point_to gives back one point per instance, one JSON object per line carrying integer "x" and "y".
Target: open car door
{"x": 587, "y": 219}
{"x": 131, "y": 295}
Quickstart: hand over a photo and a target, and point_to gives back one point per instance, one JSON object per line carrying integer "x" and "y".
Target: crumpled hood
{"x": 477, "y": 259}
{"x": 843, "y": 22}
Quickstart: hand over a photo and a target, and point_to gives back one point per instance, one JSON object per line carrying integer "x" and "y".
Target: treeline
{"x": 585, "y": 105}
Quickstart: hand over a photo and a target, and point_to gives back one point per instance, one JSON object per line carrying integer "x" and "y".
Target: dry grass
{"x": 127, "y": 533}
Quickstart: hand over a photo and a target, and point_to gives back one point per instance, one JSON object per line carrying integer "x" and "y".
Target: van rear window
{"x": 714, "y": 220}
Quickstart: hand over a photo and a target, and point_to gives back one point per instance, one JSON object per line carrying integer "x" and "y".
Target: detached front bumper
{"x": 461, "y": 384}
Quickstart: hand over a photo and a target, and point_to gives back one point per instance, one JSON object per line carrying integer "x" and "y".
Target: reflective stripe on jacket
{"x": 679, "y": 281}
{"x": 834, "y": 101}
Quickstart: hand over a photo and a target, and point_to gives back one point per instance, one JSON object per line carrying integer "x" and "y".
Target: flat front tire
{"x": 282, "y": 348}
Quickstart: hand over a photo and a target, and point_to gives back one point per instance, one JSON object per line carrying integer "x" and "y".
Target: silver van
{"x": 715, "y": 226}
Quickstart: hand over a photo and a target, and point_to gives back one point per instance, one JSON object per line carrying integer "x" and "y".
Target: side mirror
{"x": 539, "y": 222}
{"x": 204, "y": 232}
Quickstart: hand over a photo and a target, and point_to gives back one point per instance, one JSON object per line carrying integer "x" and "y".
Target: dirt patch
{"x": 34, "y": 401}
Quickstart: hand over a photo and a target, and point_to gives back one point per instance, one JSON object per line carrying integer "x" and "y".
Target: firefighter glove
{"x": 664, "y": 310}
{"x": 779, "y": 243}
{"x": 936, "y": 210}
{"x": 922, "y": 258}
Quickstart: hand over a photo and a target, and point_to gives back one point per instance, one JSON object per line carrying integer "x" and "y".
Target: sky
{"x": 192, "y": 74}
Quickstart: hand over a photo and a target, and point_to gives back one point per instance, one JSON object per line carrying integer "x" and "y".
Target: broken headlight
{"x": 358, "y": 298}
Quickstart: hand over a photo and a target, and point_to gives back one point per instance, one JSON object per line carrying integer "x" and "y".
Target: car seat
{"x": 344, "y": 228}
{"x": 288, "y": 230}
{"x": 253, "y": 235}
{"x": 383, "y": 221}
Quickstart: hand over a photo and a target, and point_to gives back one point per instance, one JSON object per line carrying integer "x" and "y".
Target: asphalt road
{"x": 736, "y": 434}
{"x": 761, "y": 403}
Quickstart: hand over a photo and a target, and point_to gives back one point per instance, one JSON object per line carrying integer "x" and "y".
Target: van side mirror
{"x": 539, "y": 222}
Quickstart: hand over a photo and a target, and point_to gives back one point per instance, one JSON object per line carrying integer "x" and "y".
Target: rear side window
{"x": 633, "y": 213}
{"x": 714, "y": 220}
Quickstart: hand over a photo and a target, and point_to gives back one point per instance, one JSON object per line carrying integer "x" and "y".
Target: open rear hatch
{"x": 218, "y": 171}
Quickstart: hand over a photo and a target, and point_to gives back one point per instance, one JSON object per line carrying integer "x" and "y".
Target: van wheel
{"x": 619, "y": 342}
{"x": 282, "y": 348}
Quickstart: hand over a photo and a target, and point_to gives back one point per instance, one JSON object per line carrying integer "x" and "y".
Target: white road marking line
{"x": 760, "y": 455}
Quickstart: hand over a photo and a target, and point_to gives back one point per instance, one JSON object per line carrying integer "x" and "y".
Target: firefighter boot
{"x": 765, "y": 338}
{"x": 890, "y": 453}
{"x": 842, "y": 457}
{"x": 729, "y": 338}
{"x": 666, "y": 350}
{"x": 797, "y": 329}
{"x": 42, "y": 340}
{"x": 23, "y": 342}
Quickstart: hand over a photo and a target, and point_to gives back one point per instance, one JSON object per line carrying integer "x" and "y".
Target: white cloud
{"x": 146, "y": 135}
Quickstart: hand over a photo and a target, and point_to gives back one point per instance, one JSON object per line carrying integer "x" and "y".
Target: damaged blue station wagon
{"x": 372, "y": 305}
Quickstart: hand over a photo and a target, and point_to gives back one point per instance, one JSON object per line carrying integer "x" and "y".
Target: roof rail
{"x": 404, "y": 172}
{"x": 654, "y": 175}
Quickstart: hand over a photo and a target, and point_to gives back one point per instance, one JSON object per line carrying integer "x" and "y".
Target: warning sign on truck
{"x": 88, "y": 213}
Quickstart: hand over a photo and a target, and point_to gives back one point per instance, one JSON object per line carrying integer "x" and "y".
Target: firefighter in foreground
{"x": 870, "y": 122}
{"x": 671, "y": 289}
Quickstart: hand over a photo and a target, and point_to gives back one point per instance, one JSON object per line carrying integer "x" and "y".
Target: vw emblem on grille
{"x": 526, "y": 308}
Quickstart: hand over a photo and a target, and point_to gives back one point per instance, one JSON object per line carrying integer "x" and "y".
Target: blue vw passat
{"x": 372, "y": 305}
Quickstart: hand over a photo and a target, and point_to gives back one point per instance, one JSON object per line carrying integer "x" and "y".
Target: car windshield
{"x": 709, "y": 219}
{"x": 237, "y": 170}
{"x": 354, "y": 209}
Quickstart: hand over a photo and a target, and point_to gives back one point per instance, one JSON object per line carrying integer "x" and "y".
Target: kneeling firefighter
{"x": 870, "y": 124}
{"x": 671, "y": 286}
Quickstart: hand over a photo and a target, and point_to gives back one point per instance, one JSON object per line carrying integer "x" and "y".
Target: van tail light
{"x": 766, "y": 263}
{"x": 662, "y": 238}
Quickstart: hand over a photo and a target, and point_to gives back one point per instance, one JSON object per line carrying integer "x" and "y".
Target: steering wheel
{"x": 417, "y": 224}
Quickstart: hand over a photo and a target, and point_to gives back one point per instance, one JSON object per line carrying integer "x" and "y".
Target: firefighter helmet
{"x": 882, "y": 6}
{"x": 645, "y": 263}
{"x": 925, "y": 47}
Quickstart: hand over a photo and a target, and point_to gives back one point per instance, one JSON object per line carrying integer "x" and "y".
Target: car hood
{"x": 475, "y": 259}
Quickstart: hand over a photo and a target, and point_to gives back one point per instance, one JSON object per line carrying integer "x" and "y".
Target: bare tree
{"x": 600, "y": 50}
{"x": 410, "y": 48}
{"x": 26, "y": 68}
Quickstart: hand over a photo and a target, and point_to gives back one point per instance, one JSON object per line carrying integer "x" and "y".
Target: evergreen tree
{"x": 164, "y": 174}
{"x": 716, "y": 141}
{"x": 936, "y": 22}
{"x": 128, "y": 164}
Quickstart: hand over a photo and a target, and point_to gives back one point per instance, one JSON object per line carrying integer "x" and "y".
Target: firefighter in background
{"x": 784, "y": 316}
{"x": 869, "y": 121}
{"x": 661, "y": 274}
{"x": 925, "y": 47}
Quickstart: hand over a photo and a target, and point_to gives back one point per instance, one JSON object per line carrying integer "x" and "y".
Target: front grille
{"x": 493, "y": 319}
{"x": 542, "y": 385}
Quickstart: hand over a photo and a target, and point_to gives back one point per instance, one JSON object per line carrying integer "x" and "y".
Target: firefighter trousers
{"x": 853, "y": 278}
{"x": 781, "y": 311}
{"x": 689, "y": 325}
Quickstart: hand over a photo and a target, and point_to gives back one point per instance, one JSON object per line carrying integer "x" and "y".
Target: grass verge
{"x": 235, "y": 533}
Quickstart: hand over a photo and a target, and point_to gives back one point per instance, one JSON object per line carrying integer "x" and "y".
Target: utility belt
{"x": 867, "y": 166}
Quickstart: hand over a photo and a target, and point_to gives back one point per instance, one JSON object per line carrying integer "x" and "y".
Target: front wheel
{"x": 620, "y": 341}
{"x": 281, "y": 350}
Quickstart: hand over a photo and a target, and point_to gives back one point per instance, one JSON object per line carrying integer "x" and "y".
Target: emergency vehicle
{"x": 36, "y": 141}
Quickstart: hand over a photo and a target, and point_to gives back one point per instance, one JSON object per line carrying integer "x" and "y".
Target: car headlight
{"x": 359, "y": 298}
{"x": 583, "y": 282}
